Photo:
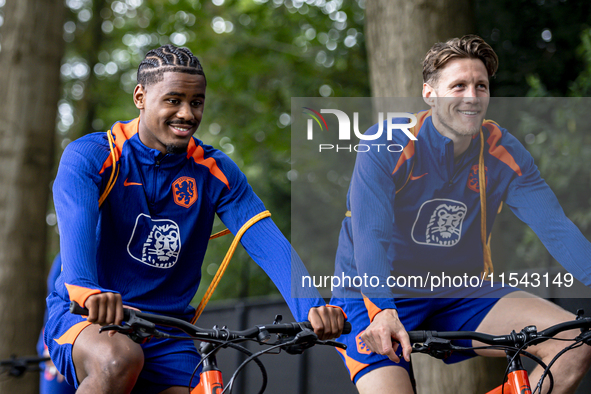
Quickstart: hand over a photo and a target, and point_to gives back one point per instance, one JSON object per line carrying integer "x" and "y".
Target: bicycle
{"x": 293, "y": 338}
{"x": 17, "y": 366}
{"x": 515, "y": 380}
{"x": 50, "y": 381}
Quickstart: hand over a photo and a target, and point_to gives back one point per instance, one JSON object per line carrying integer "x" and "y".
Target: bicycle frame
{"x": 517, "y": 379}
{"x": 210, "y": 378}
{"x": 210, "y": 383}
{"x": 517, "y": 383}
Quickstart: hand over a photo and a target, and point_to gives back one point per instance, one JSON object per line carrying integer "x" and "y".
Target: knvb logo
{"x": 185, "y": 191}
{"x": 474, "y": 178}
{"x": 361, "y": 346}
{"x": 344, "y": 132}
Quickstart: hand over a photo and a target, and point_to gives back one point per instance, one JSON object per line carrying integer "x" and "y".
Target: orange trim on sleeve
{"x": 498, "y": 151}
{"x": 372, "y": 309}
{"x": 338, "y": 307}
{"x": 353, "y": 366}
{"x": 80, "y": 294}
{"x": 423, "y": 115}
{"x": 122, "y": 132}
{"x": 197, "y": 153}
{"x": 70, "y": 336}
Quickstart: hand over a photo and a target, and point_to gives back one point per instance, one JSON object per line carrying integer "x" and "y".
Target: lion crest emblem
{"x": 155, "y": 242}
{"x": 161, "y": 249}
{"x": 439, "y": 223}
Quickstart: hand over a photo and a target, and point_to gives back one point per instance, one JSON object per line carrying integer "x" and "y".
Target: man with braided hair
{"x": 426, "y": 210}
{"x": 135, "y": 210}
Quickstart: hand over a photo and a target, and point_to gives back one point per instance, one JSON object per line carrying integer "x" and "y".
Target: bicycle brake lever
{"x": 332, "y": 343}
{"x": 418, "y": 348}
{"x": 303, "y": 340}
{"x": 585, "y": 336}
{"x": 137, "y": 334}
{"x": 306, "y": 336}
{"x": 438, "y": 348}
{"x": 138, "y": 330}
{"x": 124, "y": 329}
{"x": 133, "y": 332}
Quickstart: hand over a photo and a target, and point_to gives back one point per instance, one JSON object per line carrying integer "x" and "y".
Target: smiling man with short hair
{"x": 135, "y": 210}
{"x": 406, "y": 225}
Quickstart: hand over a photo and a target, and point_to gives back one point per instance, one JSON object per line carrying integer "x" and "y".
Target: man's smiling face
{"x": 170, "y": 111}
{"x": 459, "y": 97}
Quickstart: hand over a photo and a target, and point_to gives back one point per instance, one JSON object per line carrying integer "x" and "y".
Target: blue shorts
{"x": 50, "y": 384}
{"x": 167, "y": 362}
{"x": 437, "y": 314}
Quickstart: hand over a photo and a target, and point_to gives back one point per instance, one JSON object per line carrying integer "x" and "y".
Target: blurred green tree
{"x": 257, "y": 54}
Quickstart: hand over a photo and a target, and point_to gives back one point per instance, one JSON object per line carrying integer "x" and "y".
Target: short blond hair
{"x": 467, "y": 47}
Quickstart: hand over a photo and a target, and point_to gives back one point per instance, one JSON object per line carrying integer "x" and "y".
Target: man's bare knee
{"x": 117, "y": 364}
{"x": 574, "y": 364}
{"x": 111, "y": 362}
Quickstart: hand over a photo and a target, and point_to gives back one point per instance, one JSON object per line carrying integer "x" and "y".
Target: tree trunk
{"x": 398, "y": 34}
{"x": 30, "y": 54}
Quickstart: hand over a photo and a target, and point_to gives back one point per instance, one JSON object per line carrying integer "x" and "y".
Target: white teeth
{"x": 180, "y": 128}
{"x": 469, "y": 112}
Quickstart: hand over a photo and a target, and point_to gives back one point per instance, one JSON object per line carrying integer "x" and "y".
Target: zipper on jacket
{"x": 159, "y": 159}
{"x": 461, "y": 166}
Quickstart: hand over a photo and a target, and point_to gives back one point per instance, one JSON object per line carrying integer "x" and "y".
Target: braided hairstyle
{"x": 167, "y": 58}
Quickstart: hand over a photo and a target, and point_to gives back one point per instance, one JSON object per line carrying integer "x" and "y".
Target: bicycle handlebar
{"x": 438, "y": 344}
{"x": 422, "y": 336}
{"x": 526, "y": 335}
{"x": 17, "y": 366}
{"x": 214, "y": 334}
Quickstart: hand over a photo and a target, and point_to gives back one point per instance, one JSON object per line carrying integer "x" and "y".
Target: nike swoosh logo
{"x": 125, "y": 183}
{"x": 414, "y": 178}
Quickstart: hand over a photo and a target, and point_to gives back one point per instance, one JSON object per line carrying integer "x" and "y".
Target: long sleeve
{"x": 532, "y": 201}
{"x": 265, "y": 244}
{"x": 372, "y": 199}
{"x": 76, "y": 193}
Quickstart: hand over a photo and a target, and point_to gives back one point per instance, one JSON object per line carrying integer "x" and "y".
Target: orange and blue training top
{"x": 432, "y": 225}
{"x": 148, "y": 239}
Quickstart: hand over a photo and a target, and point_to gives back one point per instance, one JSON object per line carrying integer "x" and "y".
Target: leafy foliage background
{"x": 257, "y": 54}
